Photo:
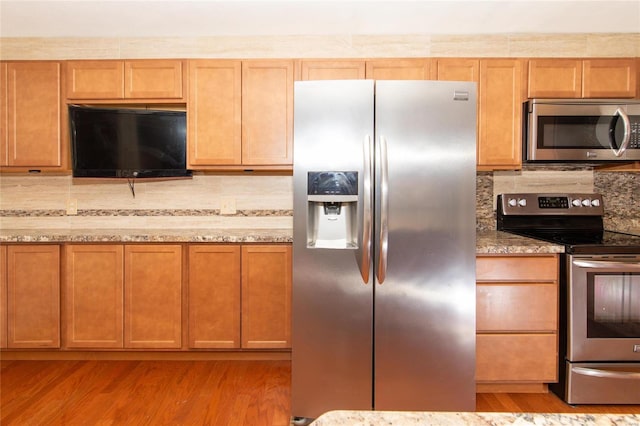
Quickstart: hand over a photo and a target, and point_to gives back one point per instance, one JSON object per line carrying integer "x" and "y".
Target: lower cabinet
{"x": 31, "y": 274}
{"x": 266, "y": 296}
{"x": 130, "y": 296}
{"x": 516, "y": 320}
{"x": 214, "y": 296}
{"x": 240, "y": 296}
{"x": 119, "y": 296}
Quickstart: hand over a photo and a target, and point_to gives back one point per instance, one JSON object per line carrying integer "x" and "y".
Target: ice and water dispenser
{"x": 332, "y": 210}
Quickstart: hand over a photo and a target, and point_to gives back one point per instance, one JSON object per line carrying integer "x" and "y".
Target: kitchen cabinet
{"x": 457, "y": 69}
{"x": 119, "y": 296}
{"x": 153, "y": 296}
{"x": 130, "y": 79}
{"x": 582, "y": 78}
{"x": 337, "y": 69}
{"x": 31, "y": 123}
{"x": 214, "y": 118}
{"x": 3, "y": 297}
{"x": 214, "y": 296}
{"x": 399, "y": 69}
{"x": 33, "y": 296}
{"x": 266, "y": 296}
{"x": 501, "y": 92}
{"x": 516, "y": 320}
{"x": 93, "y": 296}
{"x": 267, "y": 112}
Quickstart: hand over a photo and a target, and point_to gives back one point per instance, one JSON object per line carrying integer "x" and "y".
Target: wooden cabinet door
{"x": 511, "y": 358}
{"x": 609, "y": 78}
{"x": 455, "y": 69}
{"x": 214, "y": 296}
{"x": 93, "y": 296}
{"x": 333, "y": 70}
{"x": 266, "y": 296}
{"x": 399, "y": 69}
{"x": 33, "y": 296}
{"x": 95, "y": 79}
{"x": 555, "y": 78}
{"x": 153, "y": 79}
{"x": 4, "y": 117}
{"x": 3, "y": 296}
{"x": 153, "y": 296}
{"x": 267, "y": 112}
{"x": 32, "y": 110}
{"x": 214, "y": 116}
{"x": 501, "y": 92}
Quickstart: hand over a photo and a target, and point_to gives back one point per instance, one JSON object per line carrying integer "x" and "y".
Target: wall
{"x": 265, "y": 201}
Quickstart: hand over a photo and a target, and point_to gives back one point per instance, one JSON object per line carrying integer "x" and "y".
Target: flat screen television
{"x": 128, "y": 142}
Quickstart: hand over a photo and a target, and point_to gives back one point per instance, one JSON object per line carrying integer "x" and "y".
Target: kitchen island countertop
{"x": 367, "y": 418}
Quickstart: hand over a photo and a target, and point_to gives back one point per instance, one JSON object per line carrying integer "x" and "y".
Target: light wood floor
{"x": 183, "y": 393}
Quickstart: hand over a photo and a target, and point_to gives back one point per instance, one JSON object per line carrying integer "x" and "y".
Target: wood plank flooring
{"x": 183, "y": 393}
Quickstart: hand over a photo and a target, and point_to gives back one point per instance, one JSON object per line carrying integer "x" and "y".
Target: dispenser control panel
{"x": 332, "y": 183}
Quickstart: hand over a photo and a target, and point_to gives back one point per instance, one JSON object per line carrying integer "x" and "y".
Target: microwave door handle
{"x": 612, "y": 132}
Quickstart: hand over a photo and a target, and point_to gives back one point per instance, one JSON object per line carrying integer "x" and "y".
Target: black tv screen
{"x": 128, "y": 142}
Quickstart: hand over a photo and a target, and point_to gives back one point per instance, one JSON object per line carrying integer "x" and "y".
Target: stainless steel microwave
{"x": 586, "y": 130}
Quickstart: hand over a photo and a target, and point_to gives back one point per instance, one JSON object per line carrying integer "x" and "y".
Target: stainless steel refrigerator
{"x": 384, "y": 246}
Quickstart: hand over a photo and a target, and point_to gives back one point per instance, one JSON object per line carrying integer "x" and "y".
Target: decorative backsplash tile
{"x": 265, "y": 202}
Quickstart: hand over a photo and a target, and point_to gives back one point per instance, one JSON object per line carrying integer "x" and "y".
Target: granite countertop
{"x": 368, "y": 418}
{"x": 146, "y": 235}
{"x": 487, "y": 242}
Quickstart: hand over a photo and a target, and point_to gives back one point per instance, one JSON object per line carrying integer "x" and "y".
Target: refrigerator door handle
{"x": 384, "y": 209}
{"x": 365, "y": 265}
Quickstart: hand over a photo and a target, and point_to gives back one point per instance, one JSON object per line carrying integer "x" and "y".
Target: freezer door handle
{"x": 365, "y": 265}
{"x": 384, "y": 210}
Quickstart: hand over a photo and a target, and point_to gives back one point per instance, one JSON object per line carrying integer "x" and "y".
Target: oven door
{"x": 604, "y": 308}
{"x": 585, "y": 131}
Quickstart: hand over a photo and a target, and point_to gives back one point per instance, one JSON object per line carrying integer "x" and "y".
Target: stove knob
{"x": 522, "y": 202}
{"x": 586, "y": 202}
{"x": 576, "y": 202}
{"x": 595, "y": 202}
{"x": 512, "y": 202}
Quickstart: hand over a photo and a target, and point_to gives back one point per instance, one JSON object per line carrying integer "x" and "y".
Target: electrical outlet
{"x": 72, "y": 206}
{"x": 227, "y": 205}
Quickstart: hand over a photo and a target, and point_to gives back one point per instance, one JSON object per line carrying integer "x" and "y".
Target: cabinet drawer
{"x": 516, "y": 357}
{"x": 517, "y": 307}
{"x": 517, "y": 268}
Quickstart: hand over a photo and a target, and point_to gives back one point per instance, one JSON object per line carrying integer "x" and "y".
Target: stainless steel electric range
{"x": 599, "y": 340}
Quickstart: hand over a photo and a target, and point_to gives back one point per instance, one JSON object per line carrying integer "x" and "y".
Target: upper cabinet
{"x": 399, "y": 69}
{"x": 31, "y": 121}
{"x": 267, "y": 112}
{"x": 577, "y": 78}
{"x": 338, "y": 69}
{"x": 115, "y": 79}
{"x": 501, "y": 92}
{"x": 214, "y": 119}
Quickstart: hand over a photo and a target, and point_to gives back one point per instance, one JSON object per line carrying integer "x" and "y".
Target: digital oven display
{"x": 553, "y": 202}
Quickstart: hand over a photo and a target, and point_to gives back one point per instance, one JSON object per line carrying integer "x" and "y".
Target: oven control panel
{"x": 551, "y": 204}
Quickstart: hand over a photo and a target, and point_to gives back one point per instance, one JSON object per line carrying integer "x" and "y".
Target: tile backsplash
{"x": 45, "y": 202}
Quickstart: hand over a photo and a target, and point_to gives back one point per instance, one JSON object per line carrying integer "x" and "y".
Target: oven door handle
{"x": 601, "y": 264}
{"x": 596, "y": 372}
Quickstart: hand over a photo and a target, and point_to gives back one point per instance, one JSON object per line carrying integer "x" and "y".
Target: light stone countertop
{"x": 487, "y": 242}
{"x": 378, "y": 418}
